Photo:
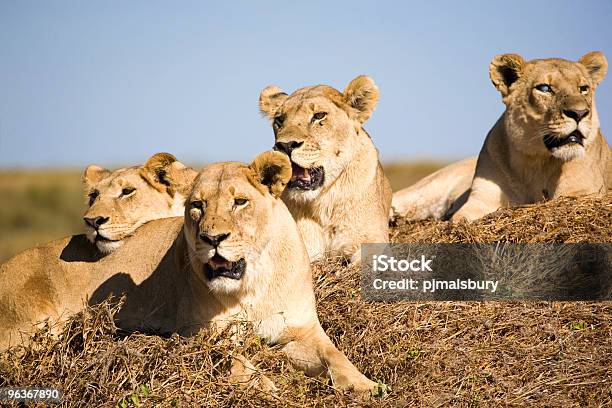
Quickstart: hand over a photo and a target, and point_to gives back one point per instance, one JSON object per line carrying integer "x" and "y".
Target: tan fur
{"x": 161, "y": 270}
{"x": 49, "y": 281}
{"x": 159, "y": 191}
{"x": 351, "y": 206}
{"x": 436, "y": 195}
{"x": 514, "y": 166}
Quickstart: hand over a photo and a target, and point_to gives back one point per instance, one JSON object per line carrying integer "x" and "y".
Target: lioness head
{"x": 231, "y": 216}
{"x": 318, "y": 127}
{"x": 123, "y": 200}
{"x": 550, "y": 102}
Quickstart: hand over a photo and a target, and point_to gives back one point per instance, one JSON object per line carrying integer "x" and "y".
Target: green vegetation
{"x": 404, "y": 174}
{"x": 38, "y": 206}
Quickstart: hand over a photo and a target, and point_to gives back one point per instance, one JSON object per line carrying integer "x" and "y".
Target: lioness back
{"x": 55, "y": 280}
{"x": 436, "y": 195}
{"x": 32, "y": 288}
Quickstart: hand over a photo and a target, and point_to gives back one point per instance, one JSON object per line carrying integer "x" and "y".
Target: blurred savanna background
{"x": 112, "y": 83}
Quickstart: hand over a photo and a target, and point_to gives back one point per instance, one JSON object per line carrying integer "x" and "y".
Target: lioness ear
{"x": 270, "y": 99}
{"x": 362, "y": 94}
{"x": 273, "y": 170}
{"x": 93, "y": 174}
{"x": 504, "y": 70}
{"x": 597, "y": 65}
{"x": 164, "y": 172}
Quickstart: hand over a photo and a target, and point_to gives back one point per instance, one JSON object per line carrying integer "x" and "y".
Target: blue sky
{"x": 113, "y": 82}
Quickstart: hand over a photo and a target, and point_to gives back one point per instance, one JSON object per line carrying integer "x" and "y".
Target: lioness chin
{"x": 547, "y": 144}
{"x": 236, "y": 255}
{"x": 338, "y": 193}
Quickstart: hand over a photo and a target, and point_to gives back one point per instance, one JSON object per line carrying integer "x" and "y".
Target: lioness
{"x": 123, "y": 200}
{"x": 338, "y": 193}
{"x": 47, "y": 281}
{"x": 547, "y": 143}
{"x": 238, "y": 254}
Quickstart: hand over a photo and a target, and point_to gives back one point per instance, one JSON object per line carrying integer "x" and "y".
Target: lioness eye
{"x": 240, "y": 201}
{"x": 92, "y": 196}
{"x": 197, "y": 204}
{"x": 544, "y": 88}
{"x": 278, "y": 122}
{"x": 127, "y": 191}
{"x": 584, "y": 89}
{"x": 319, "y": 116}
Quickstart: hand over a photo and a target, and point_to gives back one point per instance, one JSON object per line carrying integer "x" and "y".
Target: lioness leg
{"x": 314, "y": 353}
{"x": 243, "y": 372}
{"x": 485, "y": 197}
{"x": 432, "y": 196}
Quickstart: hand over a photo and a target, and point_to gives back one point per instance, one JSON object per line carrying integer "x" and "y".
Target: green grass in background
{"x": 405, "y": 174}
{"x": 37, "y": 206}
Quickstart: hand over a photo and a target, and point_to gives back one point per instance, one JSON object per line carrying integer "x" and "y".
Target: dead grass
{"x": 467, "y": 354}
{"x": 570, "y": 220}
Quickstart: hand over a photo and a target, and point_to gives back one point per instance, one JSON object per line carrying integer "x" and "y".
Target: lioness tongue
{"x": 299, "y": 173}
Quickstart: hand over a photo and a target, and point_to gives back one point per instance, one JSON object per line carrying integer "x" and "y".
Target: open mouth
{"x": 306, "y": 179}
{"x": 552, "y": 142}
{"x": 218, "y": 267}
{"x": 100, "y": 238}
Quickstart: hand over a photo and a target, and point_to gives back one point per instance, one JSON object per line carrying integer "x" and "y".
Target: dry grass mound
{"x": 569, "y": 220}
{"x": 468, "y": 354}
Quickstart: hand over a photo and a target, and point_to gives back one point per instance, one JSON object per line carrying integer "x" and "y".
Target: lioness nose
{"x": 213, "y": 240}
{"x": 576, "y": 114}
{"x": 287, "y": 147}
{"x": 95, "y": 222}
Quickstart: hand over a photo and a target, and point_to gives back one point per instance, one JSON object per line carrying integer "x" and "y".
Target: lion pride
{"x": 236, "y": 254}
